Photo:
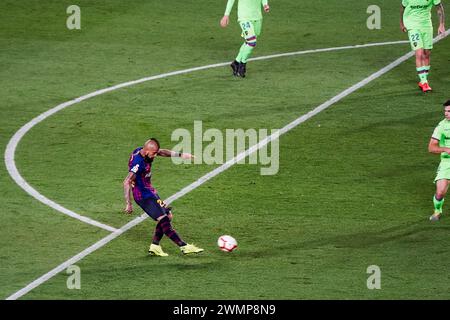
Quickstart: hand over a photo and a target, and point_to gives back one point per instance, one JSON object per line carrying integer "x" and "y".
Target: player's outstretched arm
{"x": 170, "y": 153}
{"x": 127, "y": 185}
{"x": 402, "y": 26}
{"x": 441, "y": 15}
{"x": 226, "y": 17}
{"x": 433, "y": 147}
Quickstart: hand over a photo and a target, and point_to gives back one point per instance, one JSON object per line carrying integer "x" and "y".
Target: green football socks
{"x": 244, "y": 53}
{"x": 438, "y": 204}
{"x": 422, "y": 72}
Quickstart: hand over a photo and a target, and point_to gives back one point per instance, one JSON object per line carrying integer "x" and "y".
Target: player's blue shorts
{"x": 155, "y": 208}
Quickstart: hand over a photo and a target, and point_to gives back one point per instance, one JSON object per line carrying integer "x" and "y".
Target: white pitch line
{"x": 214, "y": 172}
{"x": 13, "y": 143}
{"x": 357, "y": 46}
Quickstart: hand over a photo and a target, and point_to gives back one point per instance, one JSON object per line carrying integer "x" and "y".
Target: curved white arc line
{"x": 211, "y": 174}
{"x": 13, "y": 143}
{"x": 14, "y": 173}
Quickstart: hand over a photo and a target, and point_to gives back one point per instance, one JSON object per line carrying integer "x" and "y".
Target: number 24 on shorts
{"x": 246, "y": 25}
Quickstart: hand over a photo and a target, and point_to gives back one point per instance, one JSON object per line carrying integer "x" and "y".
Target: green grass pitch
{"x": 354, "y": 187}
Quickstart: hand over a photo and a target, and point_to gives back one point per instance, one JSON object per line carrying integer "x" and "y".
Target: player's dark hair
{"x": 156, "y": 141}
{"x": 447, "y": 103}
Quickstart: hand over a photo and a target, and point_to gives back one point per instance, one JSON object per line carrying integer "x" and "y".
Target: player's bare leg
{"x": 426, "y": 64}
{"x": 438, "y": 199}
{"x": 426, "y": 57}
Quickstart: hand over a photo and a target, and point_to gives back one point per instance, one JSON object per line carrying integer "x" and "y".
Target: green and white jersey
{"x": 248, "y": 10}
{"x": 417, "y": 13}
{"x": 442, "y": 133}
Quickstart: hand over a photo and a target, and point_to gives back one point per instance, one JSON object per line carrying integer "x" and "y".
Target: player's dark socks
{"x": 242, "y": 69}
{"x": 159, "y": 233}
{"x": 170, "y": 232}
{"x": 235, "y": 66}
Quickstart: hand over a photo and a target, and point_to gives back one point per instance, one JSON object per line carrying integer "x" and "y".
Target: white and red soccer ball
{"x": 227, "y": 243}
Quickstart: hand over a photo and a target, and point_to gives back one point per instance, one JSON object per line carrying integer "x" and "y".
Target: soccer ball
{"x": 227, "y": 243}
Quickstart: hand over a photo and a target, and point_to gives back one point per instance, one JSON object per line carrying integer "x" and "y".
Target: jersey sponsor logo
{"x": 419, "y": 7}
{"x": 135, "y": 168}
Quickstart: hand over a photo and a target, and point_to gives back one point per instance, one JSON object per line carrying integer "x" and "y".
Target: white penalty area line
{"x": 14, "y": 141}
{"x": 211, "y": 174}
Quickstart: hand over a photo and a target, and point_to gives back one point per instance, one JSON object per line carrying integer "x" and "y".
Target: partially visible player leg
{"x": 235, "y": 67}
{"x": 421, "y": 72}
{"x": 427, "y": 60}
{"x": 250, "y": 31}
{"x": 155, "y": 210}
{"x": 249, "y": 35}
{"x": 426, "y": 64}
{"x": 169, "y": 231}
{"x": 427, "y": 39}
{"x": 422, "y": 58}
{"x": 173, "y": 235}
{"x": 417, "y": 44}
{"x": 426, "y": 36}
{"x": 159, "y": 212}
{"x": 158, "y": 234}
{"x": 155, "y": 249}
{"x": 438, "y": 199}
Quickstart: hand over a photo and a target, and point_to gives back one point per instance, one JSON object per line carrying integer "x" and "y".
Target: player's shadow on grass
{"x": 408, "y": 234}
{"x": 376, "y": 123}
{"x": 178, "y": 262}
{"x": 412, "y": 233}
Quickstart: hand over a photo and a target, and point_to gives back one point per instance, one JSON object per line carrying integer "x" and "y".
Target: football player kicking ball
{"x": 138, "y": 181}
{"x": 250, "y": 20}
{"x": 415, "y": 18}
{"x": 440, "y": 144}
